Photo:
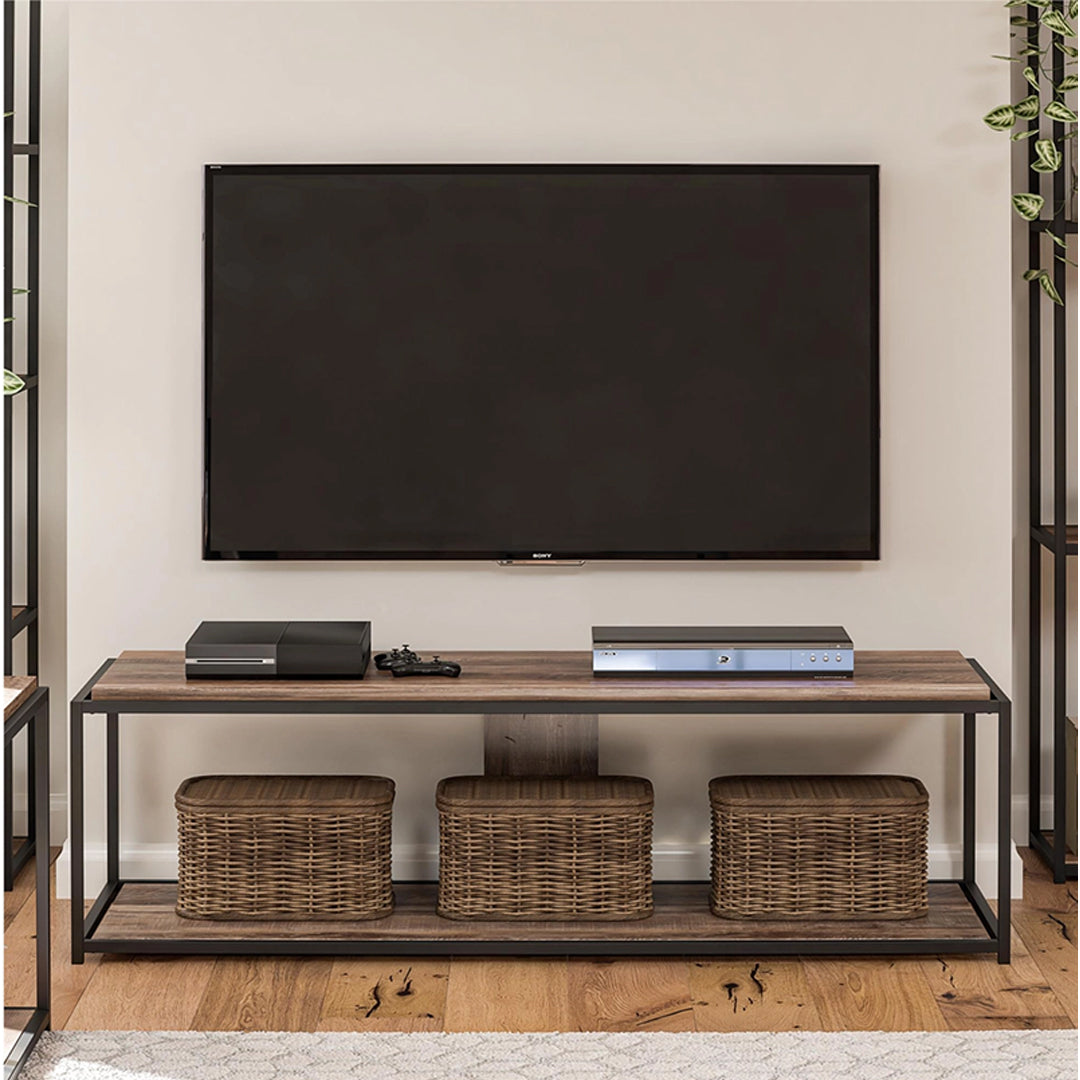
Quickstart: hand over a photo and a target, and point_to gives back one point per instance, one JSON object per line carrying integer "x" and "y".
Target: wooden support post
{"x": 535, "y": 744}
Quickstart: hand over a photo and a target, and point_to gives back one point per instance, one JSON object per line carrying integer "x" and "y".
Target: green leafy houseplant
{"x": 1049, "y": 152}
{"x": 12, "y": 383}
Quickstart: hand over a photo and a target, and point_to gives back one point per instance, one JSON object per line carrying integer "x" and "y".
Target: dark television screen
{"x": 541, "y": 361}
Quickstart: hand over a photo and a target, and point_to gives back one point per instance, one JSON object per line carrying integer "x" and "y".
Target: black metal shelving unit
{"x": 22, "y": 55}
{"x": 1051, "y": 542}
{"x": 21, "y": 617}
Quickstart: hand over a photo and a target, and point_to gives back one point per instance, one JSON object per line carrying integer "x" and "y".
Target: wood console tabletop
{"x": 546, "y": 677}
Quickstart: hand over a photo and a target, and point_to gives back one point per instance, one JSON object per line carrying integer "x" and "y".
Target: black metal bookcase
{"x": 1056, "y": 538}
{"x": 22, "y": 56}
{"x": 21, "y": 618}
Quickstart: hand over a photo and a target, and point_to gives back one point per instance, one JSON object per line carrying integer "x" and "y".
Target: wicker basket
{"x": 284, "y": 847}
{"x": 545, "y": 849}
{"x": 818, "y": 847}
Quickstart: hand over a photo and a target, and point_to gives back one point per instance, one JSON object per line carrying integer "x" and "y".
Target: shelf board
{"x": 1070, "y": 856}
{"x": 1047, "y": 536}
{"x": 17, "y": 688}
{"x": 143, "y": 917}
{"x": 494, "y": 679}
{"x": 21, "y": 617}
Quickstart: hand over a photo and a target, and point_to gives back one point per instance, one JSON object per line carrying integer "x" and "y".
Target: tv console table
{"x": 541, "y": 711}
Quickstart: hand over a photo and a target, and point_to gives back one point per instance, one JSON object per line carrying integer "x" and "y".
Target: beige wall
{"x": 158, "y": 89}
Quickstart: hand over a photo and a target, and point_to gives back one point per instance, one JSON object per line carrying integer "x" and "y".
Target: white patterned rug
{"x": 193, "y": 1055}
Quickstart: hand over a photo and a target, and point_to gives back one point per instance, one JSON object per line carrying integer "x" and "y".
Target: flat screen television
{"x": 541, "y": 362}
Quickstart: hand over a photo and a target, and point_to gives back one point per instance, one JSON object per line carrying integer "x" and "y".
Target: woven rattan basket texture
{"x": 284, "y": 847}
{"x": 545, "y": 849}
{"x": 818, "y": 847}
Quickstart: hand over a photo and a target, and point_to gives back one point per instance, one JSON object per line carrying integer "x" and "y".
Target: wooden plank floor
{"x": 1037, "y": 990}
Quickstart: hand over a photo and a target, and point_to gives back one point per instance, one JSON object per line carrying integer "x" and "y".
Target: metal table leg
{"x": 77, "y": 839}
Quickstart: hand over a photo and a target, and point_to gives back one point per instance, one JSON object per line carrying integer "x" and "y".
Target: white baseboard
{"x": 420, "y": 862}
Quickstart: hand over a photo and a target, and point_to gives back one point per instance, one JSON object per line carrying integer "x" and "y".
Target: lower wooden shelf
{"x": 1070, "y": 856}
{"x": 1047, "y": 536}
{"x": 142, "y": 918}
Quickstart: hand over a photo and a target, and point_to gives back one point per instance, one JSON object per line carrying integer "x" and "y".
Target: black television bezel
{"x": 871, "y": 172}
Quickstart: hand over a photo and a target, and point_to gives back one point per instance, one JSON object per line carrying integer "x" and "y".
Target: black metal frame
{"x": 527, "y": 555}
{"x": 1049, "y": 537}
{"x": 84, "y": 928}
{"x": 33, "y": 716}
{"x": 27, "y": 619}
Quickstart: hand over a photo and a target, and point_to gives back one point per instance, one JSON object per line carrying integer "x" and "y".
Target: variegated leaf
{"x": 1028, "y": 204}
{"x": 1019, "y": 20}
{"x": 1029, "y": 74}
{"x": 12, "y": 383}
{"x": 1066, "y": 84}
{"x": 1048, "y": 287}
{"x": 1058, "y": 110}
{"x": 1028, "y": 108}
{"x": 1000, "y": 119}
{"x": 1031, "y": 275}
{"x": 1017, "y": 136}
{"x": 1049, "y": 156}
{"x": 1057, "y": 239}
{"x": 1053, "y": 20}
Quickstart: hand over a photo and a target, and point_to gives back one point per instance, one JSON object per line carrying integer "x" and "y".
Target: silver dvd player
{"x": 727, "y": 651}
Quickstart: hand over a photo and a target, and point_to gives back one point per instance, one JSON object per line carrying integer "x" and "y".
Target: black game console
{"x": 278, "y": 650}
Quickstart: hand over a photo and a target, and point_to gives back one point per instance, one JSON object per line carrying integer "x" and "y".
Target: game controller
{"x": 403, "y": 661}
